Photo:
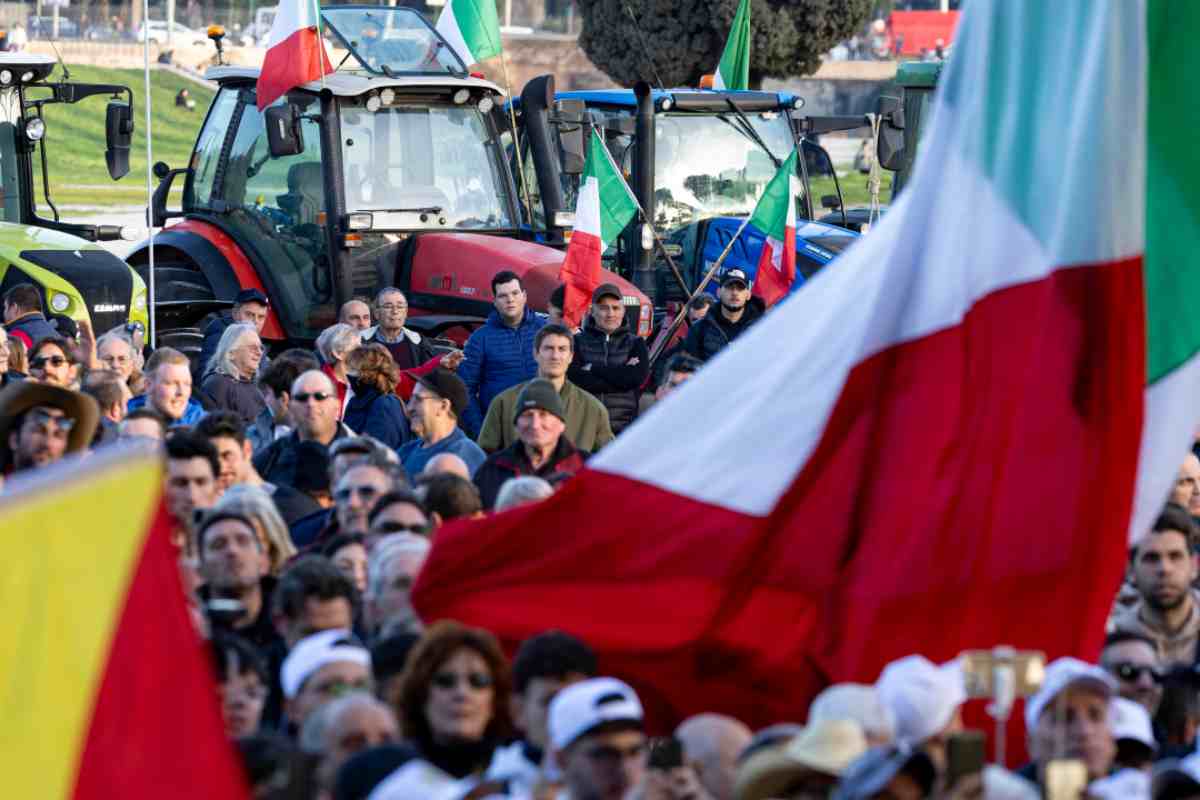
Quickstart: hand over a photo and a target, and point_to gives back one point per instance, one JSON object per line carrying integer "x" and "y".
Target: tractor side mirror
{"x": 572, "y": 135}
{"x": 890, "y": 147}
{"x": 284, "y": 135}
{"x": 831, "y": 201}
{"x": 118, "y": 136}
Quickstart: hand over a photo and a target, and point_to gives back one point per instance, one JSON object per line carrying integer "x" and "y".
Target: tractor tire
{"x": 177, "y": 283}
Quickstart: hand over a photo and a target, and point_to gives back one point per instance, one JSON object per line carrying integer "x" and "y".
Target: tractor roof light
{"x": 5, "y": 77}
{"x": 462, "y": 96}
{"x": 373, "y": 102}
{"x": 387, "y": 96}
{"x": 798, "y": 103}
{"x": 27, "y": 76}
{"x": 486, "y": 105}
{"x": 666, "y": 104}
{"x": 35, "y": 129}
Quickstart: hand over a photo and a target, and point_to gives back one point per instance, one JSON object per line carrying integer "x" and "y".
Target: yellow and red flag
{"x": 106, "y": 688}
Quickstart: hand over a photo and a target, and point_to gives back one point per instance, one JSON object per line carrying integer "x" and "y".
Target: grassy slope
{"x": 75, "y": 135}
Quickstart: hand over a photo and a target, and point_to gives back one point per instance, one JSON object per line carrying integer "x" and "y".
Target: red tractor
{"x": 390, "y": 171}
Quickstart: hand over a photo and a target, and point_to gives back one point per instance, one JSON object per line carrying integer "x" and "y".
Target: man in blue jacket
{"x": 499, "y": 354}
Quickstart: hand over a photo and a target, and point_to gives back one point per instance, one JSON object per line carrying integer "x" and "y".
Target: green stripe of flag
{"x": 480, "y": 26}
{"x": 1172, "y": 261}
{"x": 617, "y": 204}
{"x": 771, "y": 213}
{"x": 734, "y": 68}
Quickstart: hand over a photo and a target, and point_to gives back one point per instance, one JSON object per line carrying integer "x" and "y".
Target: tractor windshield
{"x": 391, "y": 41}
{"x": 10, "y": 184}
{"x": 423, "y": 167}
{"x": 707, "y": 165}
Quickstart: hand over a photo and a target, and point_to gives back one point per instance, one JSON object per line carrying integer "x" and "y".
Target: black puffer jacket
{"x": 602, "y": 367}
{"x": 713, "y": 332}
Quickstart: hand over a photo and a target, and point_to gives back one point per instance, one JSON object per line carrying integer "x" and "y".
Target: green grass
{"x": 75, "y": 138}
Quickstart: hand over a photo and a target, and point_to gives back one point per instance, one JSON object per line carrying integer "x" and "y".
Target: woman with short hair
{"x": 373, "y": 409}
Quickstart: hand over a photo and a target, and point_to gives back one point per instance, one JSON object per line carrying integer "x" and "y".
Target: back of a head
{"x": 447, "y": 464}
{"x": 522, "y": 490}
{"x": 704, "y": 735}
{"x": 450, "y": 496}
{"x": 105, "y": 386}
{"x": 551, "y": 654}
{"x": 857, "y": 702}
{"x": 273, "y": 764}
{"x": 25, "y": 297}
{"x": 282, "y": 372}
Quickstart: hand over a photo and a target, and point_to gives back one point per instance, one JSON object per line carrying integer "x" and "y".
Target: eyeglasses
{"x": 394, "y": 307}
{"x": 115, "y": 359}
{"x": 365, "y": 492}
{"x": 606, "y": 754}
{"x": 400, "y": 527}
{"x": 449, "y": 680}
{"x": 320, "y": 397}
{"x": 1132, "y": 672}
{"x": 41, "y": 361}
{"x": 49, "y": 425}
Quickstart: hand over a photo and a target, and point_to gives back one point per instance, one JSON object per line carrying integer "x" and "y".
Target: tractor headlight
{"x": 59, "y": 302}
{"x": 5, "y": 77}
{"x": 139, "y": 301}
{"x": 35, "y": 129}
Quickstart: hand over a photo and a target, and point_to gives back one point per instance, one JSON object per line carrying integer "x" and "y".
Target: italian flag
{"x": 946, "y": 441}
{"x": 104, "y": 680}
{"x": 734, "y": 70}
{"x": 775, "y": 219}
{"x": 295, "y": 52}
{"x": 471, "y": 28}
{"x": 604, "y": 207}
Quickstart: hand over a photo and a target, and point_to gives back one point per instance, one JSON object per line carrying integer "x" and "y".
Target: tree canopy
{"x": 683, "y": 39}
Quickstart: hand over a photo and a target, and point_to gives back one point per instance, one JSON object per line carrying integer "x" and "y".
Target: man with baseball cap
{"x": 596, "y": 734}
{"x": 436, "y": 405}
{"x": 541, "y": 449}
{"x": 611, "y": 361}
{"x": 1068, "y": 718}
{"x": 249, "y": 306}
{"x": 320, "y": 668}
{"x": 925, "y": 700}
{"x": 729, "y": 320}
{"x": 40, "y": 423}
{"x": 588, "y": 425}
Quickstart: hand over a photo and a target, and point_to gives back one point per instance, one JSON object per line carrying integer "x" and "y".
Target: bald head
{"x": 712, "y": 742}
{"x": 447, "y": 463}
{"x": 314, "y": 407}
{"x": 355, "y": 723}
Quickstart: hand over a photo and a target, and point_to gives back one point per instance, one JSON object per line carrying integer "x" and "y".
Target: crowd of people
{"x": 305, "y": 489}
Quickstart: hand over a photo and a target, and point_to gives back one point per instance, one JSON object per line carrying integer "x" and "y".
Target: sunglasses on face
{"x": 41, "y": 361}
{"x": 400, "y": 527}
{"x": 49, "y": 424}
{"x": 320, "y": 397}
{"x": 344, "y": 494}
{"x": 614, "y": 755}
{"x": 1132, "y": 672}
{"x": 449, "y": 680}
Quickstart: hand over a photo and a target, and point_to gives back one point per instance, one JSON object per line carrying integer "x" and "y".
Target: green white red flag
{"x": 952, "y": 431}
{"x": 295, "y": 52}
{"x": 604, "y": 207}
{"x": 775, "y": 218}
{"x": 733, "y": 72}
{"x": 472, "y": 29}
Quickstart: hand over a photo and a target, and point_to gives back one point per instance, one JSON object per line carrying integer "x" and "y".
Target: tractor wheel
{"x": 178, "y": 283}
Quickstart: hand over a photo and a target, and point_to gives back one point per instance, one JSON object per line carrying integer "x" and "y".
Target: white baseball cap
{"x": 922, "y": 696}
{"x": 1130, "y": 720}
{"x": 858, "y": 702}
{"x": 586, "y": 705}
{"x": 1060, "y": 676}
{"x": 314, "y": 652}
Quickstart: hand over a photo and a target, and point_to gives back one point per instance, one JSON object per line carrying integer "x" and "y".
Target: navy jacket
{"x": 33, "y": 326}
{"x": 371, "y": 413}
{"x": 495, "y": 358}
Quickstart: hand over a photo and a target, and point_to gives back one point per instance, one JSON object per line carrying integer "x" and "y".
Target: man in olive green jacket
{"x": 587, "y": 422}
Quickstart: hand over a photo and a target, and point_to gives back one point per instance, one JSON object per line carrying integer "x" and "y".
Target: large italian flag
{"x": 604, "y": 207}
{"x": 295, "y": 52}
{"x": 471, "y": 28}
{"x": 106, "y": 688}
{"x": 944, "y": 442}
{"x": 733, "y": 71}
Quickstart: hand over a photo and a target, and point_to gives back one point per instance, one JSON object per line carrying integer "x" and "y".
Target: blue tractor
{"x": 697, "y": 161}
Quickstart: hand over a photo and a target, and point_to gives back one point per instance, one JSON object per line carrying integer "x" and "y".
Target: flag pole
{"x": 153, "y": 332}
{"x": 512, "y": 115}
{"x": 699, "y": 288}
{"x": 321, "y": 42}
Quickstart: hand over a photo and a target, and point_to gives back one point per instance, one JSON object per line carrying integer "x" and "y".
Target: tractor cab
{"x": 74, "y": 277}
{"x": 387, "y": 172}
{"x": 698, "y": 161}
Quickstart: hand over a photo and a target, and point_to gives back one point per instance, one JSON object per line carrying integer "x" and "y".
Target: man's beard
{"x": 1169, "y": 604}
{"x": 732, "y": 309}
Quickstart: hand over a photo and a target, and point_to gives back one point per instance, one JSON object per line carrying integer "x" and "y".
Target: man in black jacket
{"x": 729, "y": 320}
{"x": 611, "y": 361}
{"x": 251, "y": 307}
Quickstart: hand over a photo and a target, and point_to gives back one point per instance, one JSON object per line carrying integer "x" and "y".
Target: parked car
{"x": 181, "y": 34}
{"x": 43, "y": 27}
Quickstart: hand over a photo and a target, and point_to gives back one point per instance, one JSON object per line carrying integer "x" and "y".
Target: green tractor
{"x": 903, "y": 119}
{"x": 75, "y": 277}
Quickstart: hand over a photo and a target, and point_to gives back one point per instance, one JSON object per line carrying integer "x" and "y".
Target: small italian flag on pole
{"x": 775, "y": 218}
{"x": 734, "y": 70}
{"x": 605, "y": 206}
{"x": 472, "y": 29}
{"x": 295, "y": 51}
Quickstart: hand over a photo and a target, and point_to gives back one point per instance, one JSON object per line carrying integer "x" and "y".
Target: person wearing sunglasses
{"x": 314, "y": 410}
{"x": 52, "y": 361}
{"x": 398, "y": 511}
{"x": 1132, "y": 658}
{"x": 453, "y": 708}
{"x": 40, "y": 423}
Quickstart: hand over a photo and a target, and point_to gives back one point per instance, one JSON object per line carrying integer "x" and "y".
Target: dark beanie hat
{"x": 540, "y": 393}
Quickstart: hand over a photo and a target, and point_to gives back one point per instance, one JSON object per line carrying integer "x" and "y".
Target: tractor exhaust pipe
{"x": 644, "y": 277}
